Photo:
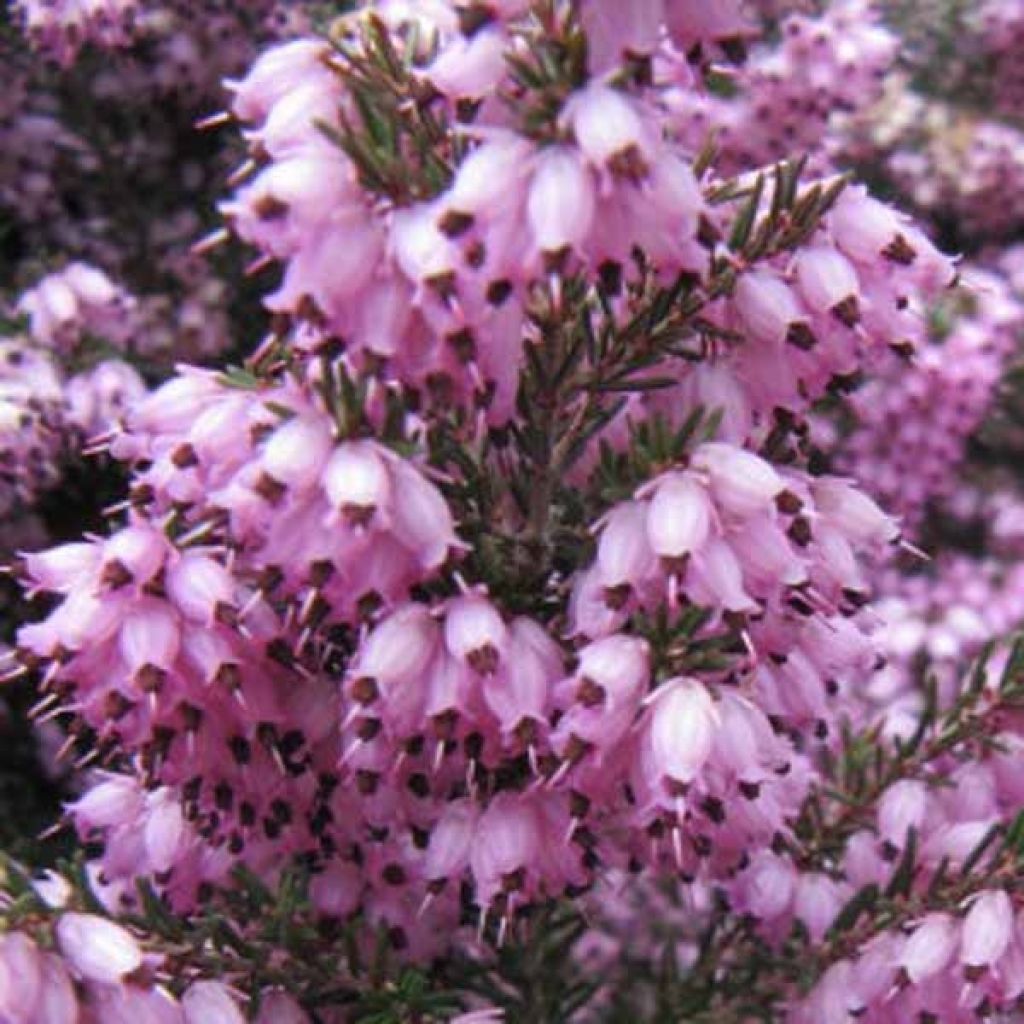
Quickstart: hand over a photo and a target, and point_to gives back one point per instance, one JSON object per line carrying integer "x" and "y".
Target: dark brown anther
{"x": 750, "y": 790}
{"x": 259, "y": 432}
{"x": 629, "y": 163}
{"x": 579, "y": 804}
{"x": 270, "y": 579}
{"x": 463, "y": 345}
{"x": 512, "y": 881}
{"x": 367, "y": 728}
{"x": 270, "y": 208}
{"x": 443, "y": 285}
{"x": 320, "y": 573}
{"x": 590, "y": 694}
{"x": 900, "y": 251}
{"x": 419, "y": 785}
{"x": 788, "y": 503}
{"x": 364, "y": 690}
{"x": 474, "y": 17}
{"x": 241, "y": 750}
{"x": 617, "y": 597}
{"x": 116, "y": 574}
{"x": 453, "y": 223}
{"x": 394, "y": 874}
{"x": 246, "y": 814}
{"x": 576, "y": 749}
{"x": 498, "y": 291}
{"x": 799, "y": 531}
{"x": 226, "y": 614}
{"x": 476, "y": 254}
{"x": 228, "y": 675}
{"x": 184, "y": 456}
{"x": 191, "y": 717}
{"x": 484, "y": 660}
{"x": 150, "y": 678}
{"x": 367, "y": 781}
{"x": 445, "y": 723}
{"x": 269, "y": 489}
{"x": 847, "y": 312}
{"x": 223, "y": 797}
{"x": 801, "y": 336}
{"x": 279, "y": 650}
{"x": 714, "y": 809}
{"x": 116, "y": 705}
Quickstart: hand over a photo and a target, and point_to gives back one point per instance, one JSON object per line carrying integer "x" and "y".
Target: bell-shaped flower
{"x": 97, "y": 949}
{"x": 210, "y": 1002}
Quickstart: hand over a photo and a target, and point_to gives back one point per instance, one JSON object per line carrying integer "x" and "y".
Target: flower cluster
{"x": 787, "y": 98}
{"x": 936, "y": 405}
{"x": 509, "y": 574}
{"x": 98, "y": 972}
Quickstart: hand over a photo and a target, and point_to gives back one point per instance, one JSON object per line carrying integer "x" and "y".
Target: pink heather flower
{"x": 57, "y": 1000}
{"x": 624, "y": 553}
{"x": 451, "y": 842}
{"x": 278, "y": 1007}
{"x": 114, "y": 800}
{"x": 475, "y": 633}
{"x": 987, "y": 929}
{"x": 678, "y": 517}
{"x": 767, "y": 885}
{"x": 930, "y": 947}
{"x": 508, "y": 841}
{"x": 607, "y": 127}
{"x": 491, "y": 1015}
{"x": 61, "y": 27}
{"x": 21, "y": 976}
{"x": 691, "y": 22}
{"x": 491, "y": 179}
{"x": 616, "y": 31}
{"x": 296, "y": 453}
{"x": 335, "y": 892}
{"x": 828, "y": 283}
{"x": 902, "y": 807}
{"x": 561, "y": 203}
{"x": 766, "y": 306}
{"x": 127, "y": 1004}
{"x": 277, "y": 73}
{"x": 209, "y": 1002}
{"x": 743, "y": 483}
{"x": 97, "y": 949}
{"x": 521, "y": 692}
{"x": 853, "y": 512}
{"x": 817, "y": 899}
{"x": 718, "y": 578}
{"x": 680, "y": 730}
{"x": 80, "y": 299}
{"x": 165, "y": 834}
{"x": 470, "y": 68}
